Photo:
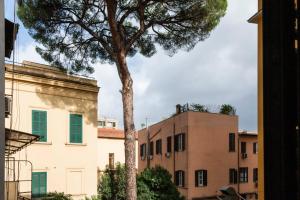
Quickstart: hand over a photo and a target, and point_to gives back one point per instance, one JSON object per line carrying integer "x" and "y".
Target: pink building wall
{"x": 206, "y": 147}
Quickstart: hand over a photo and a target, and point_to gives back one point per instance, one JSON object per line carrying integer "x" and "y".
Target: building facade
{"x": 62, "y": 110}
{"x": 110, "y": 145}
{"x": 202, "y": 153}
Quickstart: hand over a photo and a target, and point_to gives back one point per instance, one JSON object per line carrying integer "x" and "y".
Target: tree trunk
{"x": 129, "y": 129}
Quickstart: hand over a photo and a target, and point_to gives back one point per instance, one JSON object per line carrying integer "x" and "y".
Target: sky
{"x": 220, "y": 70}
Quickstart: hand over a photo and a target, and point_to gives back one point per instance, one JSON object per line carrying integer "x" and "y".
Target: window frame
{"x": 158, "y": 147}
{"x": 233, "y": 176}
{"x": 255, "y": 148}
{"x": 231, "y": 138}
{"x": 42, "y": 132}
{"x": 243, "y": 147}
{"x": 243, "y": 175}
{"x": 201, "y": 178}
{"x": 39, "y": 194}
{"x": 72, "y": 140}
{"x": 179, "y": 178}
{"x": 169, "y": 144}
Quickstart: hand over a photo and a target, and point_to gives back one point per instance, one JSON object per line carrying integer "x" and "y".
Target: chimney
{"x": 178, "y": 108}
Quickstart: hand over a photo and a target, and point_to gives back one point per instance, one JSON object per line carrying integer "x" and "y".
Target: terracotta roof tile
{"x": 111, "y": 133}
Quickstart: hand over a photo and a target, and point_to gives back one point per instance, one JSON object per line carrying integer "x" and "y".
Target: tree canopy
{"x": 77, "y": 33}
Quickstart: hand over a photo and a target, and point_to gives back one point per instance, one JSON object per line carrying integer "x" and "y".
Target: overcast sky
{"x": 221, "y": 69}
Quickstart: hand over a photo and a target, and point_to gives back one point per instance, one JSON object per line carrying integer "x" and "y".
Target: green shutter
{"x": 75, "y": 128}
{"x": 39, "y": 184}
{"x": 39, "y": 124}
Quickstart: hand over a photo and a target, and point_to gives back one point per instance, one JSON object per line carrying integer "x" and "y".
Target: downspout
{"x": 238, "y": 169}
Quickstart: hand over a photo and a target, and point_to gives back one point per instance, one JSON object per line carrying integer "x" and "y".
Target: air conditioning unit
{"x": 7, "y": 106}
{"x": 168, "y": 154}
{"x": 244, "y": 155}
{"x": 150, "y": 157}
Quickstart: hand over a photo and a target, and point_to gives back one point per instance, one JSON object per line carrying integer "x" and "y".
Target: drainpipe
{"x": 2, "y": 117}
{"x": 238, "y": 155}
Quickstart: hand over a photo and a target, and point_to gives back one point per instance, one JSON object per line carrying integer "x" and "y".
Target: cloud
{"x": 220, "y": 70}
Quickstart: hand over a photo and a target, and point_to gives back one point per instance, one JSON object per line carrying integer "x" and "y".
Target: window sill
{"x": 43, "y": 143}
{"x": 75, "y": 144}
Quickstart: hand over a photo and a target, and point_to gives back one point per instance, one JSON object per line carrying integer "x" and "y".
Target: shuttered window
{"x": 158, "y": 146}
{"x": 169, "y": 144}
{"x": 179, "y": 178}
{"x": 39, "y": 184}
{"x": 255, "y": 175}
{"x": 233, "y": 176}
{"x": 179, "y": 142}
{"x": 231, "y": 142}
{"x": 75, "y": 128}
{"x": 39, "y": 124}
{"x": 143, "y": 151}
{"x": 151, "y": 149}
{"x": 243, "y": 147}
{"x": 201, "y": 178}
{"x": 255, "y": 148}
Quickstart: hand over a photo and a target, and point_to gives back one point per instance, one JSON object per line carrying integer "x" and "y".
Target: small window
{"x": 143, "y": 151}
{"x": 113, "y": 124}
{"x": 101, "y": 123}
{"x": 158, "y": 147}
{"x": 231, "y": 142}
{"x": 179, "y": 142}
{"x": 232, "y": 176}
{"x": 39, "y": 124}
{"x": 243, "y": 172}
{"x": 179, "y": 178}
{"x": 201, "y": 178}
{"x": 255, "y": 147}
{"x": 39, "y": 184}
{"x": 75, "y": 128}
{"x": 111, "y": 160}
{"x": 169, "y": 144}
{"x": 255, "y": 175}
{"x": 243, "y": 147}
{"x": 151, "y": 148}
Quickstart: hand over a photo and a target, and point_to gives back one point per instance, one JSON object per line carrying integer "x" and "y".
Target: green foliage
{"x": 159, "y": 182}
{"x": 57, "y": 196}
{"x": 199, "y": 108}
{"x": 227, "y": 109}
{"x": 152, "y": 184}
{"x": 74, "y": 34}
{"x": 113, "y": 184}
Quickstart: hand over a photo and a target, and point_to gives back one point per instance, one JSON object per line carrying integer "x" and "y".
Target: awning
{"x": 17, "y": 140}
{"x": 11, "y": 30}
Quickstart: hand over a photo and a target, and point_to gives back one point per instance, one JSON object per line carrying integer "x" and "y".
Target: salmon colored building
{"x": 203, "y": 152}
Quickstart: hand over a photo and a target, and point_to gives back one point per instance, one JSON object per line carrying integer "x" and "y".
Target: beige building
{"x": 203, "y": 153}
{"x": 110, "y": 144}
{"x": 62, "y": 110}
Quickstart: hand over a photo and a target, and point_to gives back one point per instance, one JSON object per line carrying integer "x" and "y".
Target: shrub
{"x": 152, "y": 184}
{"x": 227, "y": 109}
{"x": 57, "y": 196}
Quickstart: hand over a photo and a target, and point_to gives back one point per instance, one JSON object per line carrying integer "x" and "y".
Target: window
{"x": 255, "y": 175}
{"x": 111, "y": 160}
{"x": 101, "y": 123}
{"x": 113, "y": 124}
{"x": 179, "y": 142}
{"x": 39, "y": 184}
{"x": 201, "y": 178}
{"x": 158, "y": 146}
{"x": 169, "y": 144}
{"x": 243, "y": 147}
{"x": 255, "y": 148}
{"x": 231, "y": 142}
{"x": 143, "y": 151}
{"x": 39, "y": 124}
{"x": 151, "y": 148}
{"x": 75, "y": 128}
{"x": 232, "y": 176}
{"x": 179, "y": 178}
{"x": 243, "y": 175}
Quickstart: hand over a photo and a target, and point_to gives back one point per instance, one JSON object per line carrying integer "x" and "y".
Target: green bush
{"x": 227, "y": 109}
{"x": 152, "y": 184}
{"x": 57, "y": 196}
